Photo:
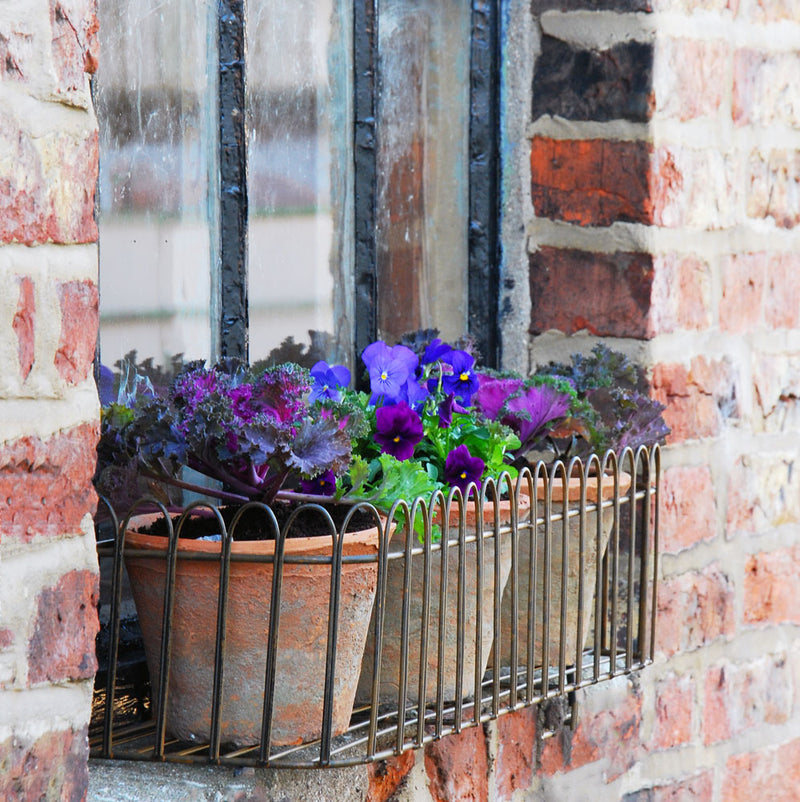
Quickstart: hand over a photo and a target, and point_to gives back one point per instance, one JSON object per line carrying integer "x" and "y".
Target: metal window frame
{"x": 231, "y": 319}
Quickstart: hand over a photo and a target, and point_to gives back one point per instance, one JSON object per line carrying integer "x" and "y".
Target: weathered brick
{"x": 739, "y": 697}
{"x": 782, "y": 291}
{"x": 692, "y": 188}
{"x": 774, "y": 11}
{"x": 681, "y": 294}
{"x": 62, "y": 645}
{"x": 771, "y": 587}
{"x": 770, "y": 774}
{"x": 699, "y": 788}
{"x": 75, "y": 42}
{"x": 741, "y": 304}
{"x": 763, "y": 492}
{"x": 612, "y": 734}
{"x": 516, "y": 754}
{"x": 776, "y": 380}
{"x": 47, "y": 186}
{"x": 46, "y": 485}
{"x": 53, "y": 768}
{"x": 24, "y": 325}
{"x": 606, "y": 294}
{"x": 6, "y": 638}
{"x": 76, "y": 347}
{"x": 674, "y": 712}
{"x": 698, "y": 398}
{"x": 386, "y": 777}
{"x": 593, "y": 182}
{"x": 773, "y": 186}
{"x": 580, "y": 84}
{"x": 458, "y": 767}
{"x": 17, "y": 52}
{"x": 689, "y": 508}
{"x": 689, "y": 77}
{"x": 694, "y": 608}
{"x": 765, "y": 88}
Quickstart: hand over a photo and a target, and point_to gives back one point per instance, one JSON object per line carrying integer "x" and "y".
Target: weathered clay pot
{"x": 302, "y": 637}
{"x": 391, "y": 654}
{"x": 571, "y": 608}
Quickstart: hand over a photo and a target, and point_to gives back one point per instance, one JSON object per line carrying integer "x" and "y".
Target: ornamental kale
{"x": 256, "y": 435}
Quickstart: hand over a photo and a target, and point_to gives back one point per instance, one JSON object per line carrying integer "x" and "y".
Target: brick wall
{"x": 657, "y": 179}
{"x": 48, "y": 402}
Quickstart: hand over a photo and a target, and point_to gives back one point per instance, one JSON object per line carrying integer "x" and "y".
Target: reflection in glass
{"x": 299, "y": 122}
{"x": 423, "y": 175}
{"x": 156, "y": 103}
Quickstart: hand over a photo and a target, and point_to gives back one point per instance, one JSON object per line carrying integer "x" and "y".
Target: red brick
{"x": 387, "y": 776}
{"x": 739, "y": 697}
{"x": 24, "y": 323}
{"x": 743, "y": 279}
{"x": 689, "y": 77}
{"x": 75, "y": 42}
{"x": 62, "y": 645}
{"x": 592, "y": 182}
{"x": 674, "y": 713}
{"x": 681, "y": 294}
{"x": 771, "y": 774}
{"x": 46, "y": 485}
{"x": 47, "y": 187}
{"x": 54, "y": 767}
{"x": 612, "y": 734}
{"x": 772, "y": 187}
{"x": 698, "y": 398}
{"x": 772, "y": 587}
{"x": 79, "y": 310}
{"x": 458, "y": 767}
{"x": 694, "y": 609}
{"x": 782, "y": 291}
{"x": 516, "y": 754}
{"x": 606, "y": 294}
{"x": 765, "y": 88}
{"x": 699, "y": 788}
{"x": 6, "y": 638}
{"x": 689, "y": 509}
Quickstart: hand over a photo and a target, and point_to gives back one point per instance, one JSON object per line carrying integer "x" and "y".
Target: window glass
{"x": 299, "y": 113}
{"x": 423, "y": 169}
{"x": 155, "y": 98}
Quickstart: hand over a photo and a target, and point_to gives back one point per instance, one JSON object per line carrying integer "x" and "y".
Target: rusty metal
{"x": 619, "y": 629}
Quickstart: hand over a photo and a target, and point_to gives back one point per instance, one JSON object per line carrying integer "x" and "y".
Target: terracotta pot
{"x": 571, "y": 608}
{"x": 392, "y": 623}
{"x": 302, "y": 636}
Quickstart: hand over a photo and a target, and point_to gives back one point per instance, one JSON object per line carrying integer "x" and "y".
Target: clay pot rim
{"x": 574, "y": 492}
{"x": 359, "y": 543}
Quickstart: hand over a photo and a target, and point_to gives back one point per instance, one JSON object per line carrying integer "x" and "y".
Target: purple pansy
{"x": 399, "y": 429}
{"x": 435, "y": 351}
{"x": 389, "y": 369}
{"x": 461, "y": 468}
{"x": 328, "y": 382}
{"x": 463, "y": 381}
{"x": 322, "y": 485}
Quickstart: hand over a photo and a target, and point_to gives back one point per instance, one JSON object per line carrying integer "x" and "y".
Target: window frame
{"x": 229, "y": 304}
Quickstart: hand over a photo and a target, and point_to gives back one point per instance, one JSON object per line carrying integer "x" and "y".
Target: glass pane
{"x": 300, "y": 176}
{"x": 423, "y": 166}
{"x": 156, "y": 103}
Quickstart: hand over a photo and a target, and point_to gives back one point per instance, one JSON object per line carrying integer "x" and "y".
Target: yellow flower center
{"x": 463, "y": 474}
{"x": 384, "y": 376}
{"x": 397, "y": 438}
{"x": 464, "y": 377}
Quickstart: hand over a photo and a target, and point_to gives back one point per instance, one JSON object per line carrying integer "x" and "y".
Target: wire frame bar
{"x": 478, "y": 605}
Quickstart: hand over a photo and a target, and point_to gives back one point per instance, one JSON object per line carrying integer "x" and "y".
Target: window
{"x": 319, "y": 165}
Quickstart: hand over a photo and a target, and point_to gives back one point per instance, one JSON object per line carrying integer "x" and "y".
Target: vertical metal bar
{"x": 460, "y": 615}
{"x": 629, "y": 624}
{"x": 656, "y": 550}
{"x": 497, "y": 597}
{"x": 644, "y": 561}
{"x": 612, "y": 646}
{"x": 484, "y": 180}
{"x": 562, "y": 629}
{"x": 233, "y": 312}
{"x": 479, "y": 577}
{"x": 114, "y": 629}
{"x": 444, "y": 506}
{"x": 405, "y": 626}
{"x": 365, "y": 57}
{"x": 424, "y": 629}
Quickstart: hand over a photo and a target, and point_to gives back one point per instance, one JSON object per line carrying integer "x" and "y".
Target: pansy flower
{"x": 399, "y": 429}
{"x": 463, "y": 381}
{"x": 322, "y": 485}
{"x": 389, "y": 369}
{"x": 328, "y": 382}
{"x": 461, "y": 468}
